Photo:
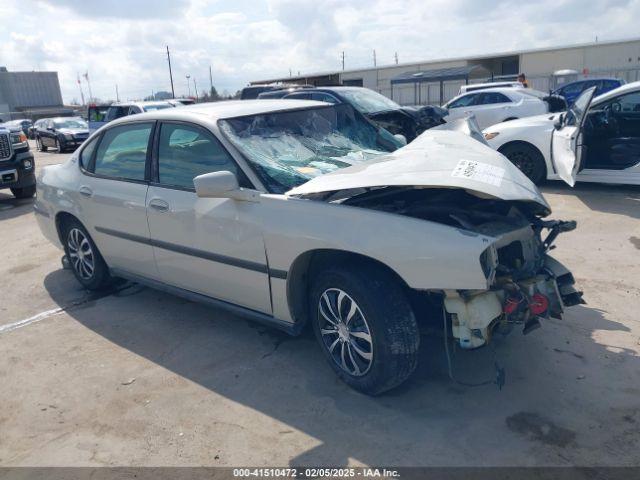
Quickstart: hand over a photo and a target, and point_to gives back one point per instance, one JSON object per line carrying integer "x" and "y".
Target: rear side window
{"x": 186, "y": 151}
{"x": 122, "y": 152}
{"x": 493, "y": 97}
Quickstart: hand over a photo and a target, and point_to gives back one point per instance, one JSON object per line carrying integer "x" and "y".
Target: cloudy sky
{"x": 123, "y": 41}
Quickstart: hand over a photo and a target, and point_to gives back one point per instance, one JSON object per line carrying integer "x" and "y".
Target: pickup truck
{"x": 17, "y": 165}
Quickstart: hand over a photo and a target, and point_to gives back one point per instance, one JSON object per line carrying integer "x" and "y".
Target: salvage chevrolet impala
{"x": 295, "y": 212}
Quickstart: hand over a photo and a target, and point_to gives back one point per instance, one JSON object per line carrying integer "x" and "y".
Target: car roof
{"x": 628, "y": 87}
{"x": 229, "y": 109}
{"x": 141, "y": 104}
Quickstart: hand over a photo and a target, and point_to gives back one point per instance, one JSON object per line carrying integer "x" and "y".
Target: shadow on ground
{"x": 599, "y": 197}
{"x": 567, "y": 399}
{"x": 11, "y": 207}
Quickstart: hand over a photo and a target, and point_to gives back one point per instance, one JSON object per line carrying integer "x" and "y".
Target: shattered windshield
{"x": 368, "y": 101}
{"x": 286, "y": 149}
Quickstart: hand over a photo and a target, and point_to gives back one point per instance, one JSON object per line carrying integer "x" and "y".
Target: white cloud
{"x": 123, "y": 41}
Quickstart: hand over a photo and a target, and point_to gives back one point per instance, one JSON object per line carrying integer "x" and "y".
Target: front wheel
{"x": 365, "y": 326}
{"x": 86, "y": 262}
{"x": 58, "y": 146}
{"x": 24, "y": 192}
{"x": 528, "y": 160}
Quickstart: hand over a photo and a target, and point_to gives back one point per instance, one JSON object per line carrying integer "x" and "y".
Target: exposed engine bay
{"x": 524, "y": 284}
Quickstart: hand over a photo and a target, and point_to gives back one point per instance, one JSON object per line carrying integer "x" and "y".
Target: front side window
{"x": 288, "y": 148}
{"x": 122, "y": 153}
{"x": 186, "y": 151}
{"x": 465, "y": 101}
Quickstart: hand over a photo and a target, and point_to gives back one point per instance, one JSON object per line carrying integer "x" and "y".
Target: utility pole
{"x": 80, "y": 87}
{"x": 374, "y": 57}
{"x": 195, "y": 86}
{"x": 210, "y": 81}
{"x": 290, "y": 73}
{"x": 173, "y": 93}
{"x": 86, "y": 75}
{"x": 117, "y": 95}
{"x": 343, "y": 60}
{"x": 188, "y": 83}
{"x": 396, "y": 55}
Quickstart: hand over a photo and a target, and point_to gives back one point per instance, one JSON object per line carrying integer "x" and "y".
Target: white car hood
{"x": 436, "y": 159}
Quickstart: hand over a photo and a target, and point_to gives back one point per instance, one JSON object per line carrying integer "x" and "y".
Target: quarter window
{"x": 186, "y": 151}
{"x": 122, "y": 153}
{"x": 87, "y": 153}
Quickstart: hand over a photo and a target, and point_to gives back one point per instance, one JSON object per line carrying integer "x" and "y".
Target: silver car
{"x": 297, "y": 213}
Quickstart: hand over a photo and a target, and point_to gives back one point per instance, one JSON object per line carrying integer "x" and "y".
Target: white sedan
{"x": 602, "y": 137}
{"x": 296, "y": 213}
{"x": 495, "y": 105}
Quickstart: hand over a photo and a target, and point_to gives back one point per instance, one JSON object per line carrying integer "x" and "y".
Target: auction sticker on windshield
{"x": 480, "y": 172}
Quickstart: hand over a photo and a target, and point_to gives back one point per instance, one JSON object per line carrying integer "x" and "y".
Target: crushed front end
{"x": 526, "y": 285}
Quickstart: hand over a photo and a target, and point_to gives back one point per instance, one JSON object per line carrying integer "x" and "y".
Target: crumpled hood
{"x": 436, "y": 159}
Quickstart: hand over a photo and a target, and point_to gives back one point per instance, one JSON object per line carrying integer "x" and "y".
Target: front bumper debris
{"x": 527, "y": 302}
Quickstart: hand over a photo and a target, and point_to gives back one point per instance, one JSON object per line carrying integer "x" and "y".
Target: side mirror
{"x": 559, "y": 122}
{"x": 401, "y": 138}
{"x": 223, "y": 184}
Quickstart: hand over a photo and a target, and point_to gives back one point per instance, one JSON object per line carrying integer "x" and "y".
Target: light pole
{"x": 188, "y": 83}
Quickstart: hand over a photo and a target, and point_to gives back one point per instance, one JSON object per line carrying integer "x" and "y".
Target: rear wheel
{"x": 86, "y": 262}
{"x": 24, "y": 192}
{"x": 528, "y": 159}
{"x": 365, "y": 326}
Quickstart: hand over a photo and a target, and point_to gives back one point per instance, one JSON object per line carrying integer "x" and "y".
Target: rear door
{"x": 112, "y": 196}
{"x": 211, "y": 246}
{"x": 566, "y": 142}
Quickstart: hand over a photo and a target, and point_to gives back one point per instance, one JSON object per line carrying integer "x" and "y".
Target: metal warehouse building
{"x": 29, "y": 94}
{"x": 437, "y": 81}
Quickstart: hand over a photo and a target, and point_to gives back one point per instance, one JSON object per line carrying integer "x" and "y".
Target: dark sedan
{"x": 62, "y": 133}
{"x": 23, "y": 123}
{"x": 406, "y": 121}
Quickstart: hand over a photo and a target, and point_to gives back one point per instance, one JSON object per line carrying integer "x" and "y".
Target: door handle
{"x": 85, "y": 191}
{"x": 159, "y": 205}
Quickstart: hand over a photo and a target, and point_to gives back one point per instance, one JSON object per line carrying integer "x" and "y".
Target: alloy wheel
{"x": 80, "y": 254}
{"x": 524, "y": 162}
{"x": 345, "y": 332}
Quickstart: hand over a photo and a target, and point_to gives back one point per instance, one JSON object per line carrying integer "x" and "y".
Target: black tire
{"x": 99, "y": 277}
{"x": 383, "y": 310}
{"x": 528, "y": 159}
{"x": 40, "y": 146}
{"x": 24, "y": 192}
{"x": 58, "y": 146}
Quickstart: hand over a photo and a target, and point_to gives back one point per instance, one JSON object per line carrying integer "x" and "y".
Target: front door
{"x": 613, "y": 141}
{"x": 566, "y": 141}
{"x": 112, "y": 196}
{"x": 211, "y": 246}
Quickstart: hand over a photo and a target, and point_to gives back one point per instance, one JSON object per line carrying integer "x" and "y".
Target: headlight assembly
{"x": 490, "y": 135}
